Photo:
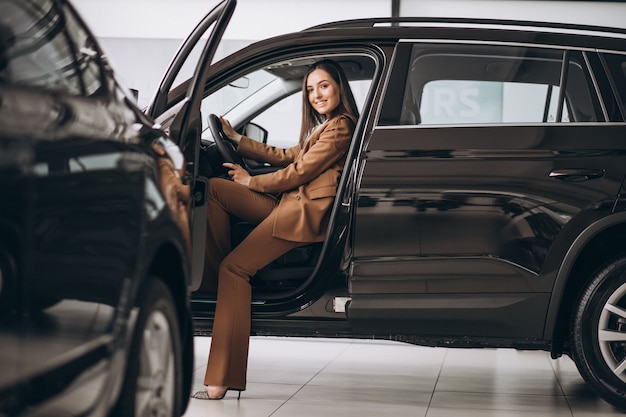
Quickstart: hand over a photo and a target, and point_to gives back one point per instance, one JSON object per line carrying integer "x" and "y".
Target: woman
{"x": 308, "y": 183}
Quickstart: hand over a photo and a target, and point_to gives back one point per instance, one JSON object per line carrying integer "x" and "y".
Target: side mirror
{"x": 256, "y": 132}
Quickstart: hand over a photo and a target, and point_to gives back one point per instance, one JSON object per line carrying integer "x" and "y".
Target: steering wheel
{"x": 224, "y": 145}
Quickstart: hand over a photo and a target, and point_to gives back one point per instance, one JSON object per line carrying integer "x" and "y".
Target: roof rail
{"x": 399, "y": 21}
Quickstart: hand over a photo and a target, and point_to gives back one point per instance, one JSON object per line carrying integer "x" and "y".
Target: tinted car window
{"x": 459, "y": 84}
{"x": 460, "y": 101}
{"x": 48, "y": 50}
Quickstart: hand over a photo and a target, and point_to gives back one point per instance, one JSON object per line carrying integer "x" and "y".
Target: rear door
{"x": 182, "y": 118}
{"x": 474, "y": 183}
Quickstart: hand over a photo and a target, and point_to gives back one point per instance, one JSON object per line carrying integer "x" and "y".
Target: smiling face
{"x": 323, "y": 92}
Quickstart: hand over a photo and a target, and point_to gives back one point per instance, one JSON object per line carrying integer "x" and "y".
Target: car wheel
{"x": 598, "y": 333}
{"x": 8, "y": 284}
{"x": 153, "y": 382}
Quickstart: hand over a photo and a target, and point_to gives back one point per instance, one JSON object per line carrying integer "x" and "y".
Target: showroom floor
{"x": 338, "y": 377}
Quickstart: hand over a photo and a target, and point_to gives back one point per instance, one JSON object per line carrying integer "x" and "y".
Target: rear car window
{"x": 465, "y": 84}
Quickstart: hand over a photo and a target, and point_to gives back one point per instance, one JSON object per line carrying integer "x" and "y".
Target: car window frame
{"x": 618, "y": 94}
{"x": 265, "y": 58}
{"x": 394, "y": 92}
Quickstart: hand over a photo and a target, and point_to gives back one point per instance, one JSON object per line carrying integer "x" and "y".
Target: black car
{"x": 95, "y": 317}
{"x": 482, "y": 203}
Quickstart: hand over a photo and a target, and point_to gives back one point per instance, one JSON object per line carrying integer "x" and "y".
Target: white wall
{"x": 600, "y": 13}
{"x": 252, "y": 20}
{"x": 141, "y": 36}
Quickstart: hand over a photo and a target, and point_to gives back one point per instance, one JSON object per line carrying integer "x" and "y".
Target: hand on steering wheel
{"x": 228, "y": 130}
{"x": 224, "y": 145}
{"x": 238, "y": 174}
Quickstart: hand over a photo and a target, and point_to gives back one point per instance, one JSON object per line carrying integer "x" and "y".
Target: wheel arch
{"x": 599, "y": 243}
{"x": 169, "y": 264}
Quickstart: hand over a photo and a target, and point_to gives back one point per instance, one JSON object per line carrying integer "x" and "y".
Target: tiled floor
{"x": 338, "y": 377}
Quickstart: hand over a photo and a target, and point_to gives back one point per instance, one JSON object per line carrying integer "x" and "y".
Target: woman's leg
{"x": 228, "y": 357}
{"x": 227, "y": 197}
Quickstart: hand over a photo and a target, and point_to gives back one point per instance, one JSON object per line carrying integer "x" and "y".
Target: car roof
{"x": 477, "y": 23}
{"x": 391, "y": 30}
{"x": 363, "y": 32}
{"x": 463, "y": 29}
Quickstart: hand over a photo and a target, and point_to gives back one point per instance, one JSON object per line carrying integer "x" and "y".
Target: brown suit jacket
{"x": 308, "y": 180}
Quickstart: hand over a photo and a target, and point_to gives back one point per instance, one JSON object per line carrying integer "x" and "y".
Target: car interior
{"x": 280, "y": 88}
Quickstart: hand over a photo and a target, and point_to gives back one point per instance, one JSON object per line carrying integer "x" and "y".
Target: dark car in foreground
{"x": 95, "y": 317}
{"x": 482, "y": 203}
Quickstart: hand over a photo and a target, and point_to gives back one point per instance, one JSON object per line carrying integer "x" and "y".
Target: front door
{"x": 182, "y": 118}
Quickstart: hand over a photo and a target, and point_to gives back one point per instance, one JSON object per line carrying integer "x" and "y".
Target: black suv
{"x": 482, "y": 200}
{"x": 95, "y": 318}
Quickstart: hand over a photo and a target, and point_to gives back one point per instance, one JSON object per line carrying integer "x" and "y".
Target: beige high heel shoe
{"x": 204, "y": 395}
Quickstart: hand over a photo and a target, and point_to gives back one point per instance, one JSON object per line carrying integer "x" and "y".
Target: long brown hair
{"x": 347, "y": 105}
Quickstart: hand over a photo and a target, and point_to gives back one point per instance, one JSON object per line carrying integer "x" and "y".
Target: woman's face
{"x": 323, "y": 92}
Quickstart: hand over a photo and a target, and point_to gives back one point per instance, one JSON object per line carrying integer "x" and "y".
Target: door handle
{"x": 577, "y": 174}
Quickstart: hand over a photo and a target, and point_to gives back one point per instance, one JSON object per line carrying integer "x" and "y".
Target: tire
{"x": 598, "y": 333}
{"x": 153, "y": 381}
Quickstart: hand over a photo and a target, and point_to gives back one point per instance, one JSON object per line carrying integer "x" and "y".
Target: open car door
{"x": 181, "y": 116}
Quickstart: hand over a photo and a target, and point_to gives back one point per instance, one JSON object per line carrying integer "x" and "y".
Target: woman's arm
{"x": 258, "y": 151}
{"x": 261, "y": 152}
{"x": 326, "y": 151}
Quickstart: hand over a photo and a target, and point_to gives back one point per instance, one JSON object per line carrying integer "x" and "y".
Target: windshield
{"x": 227, "y": 98}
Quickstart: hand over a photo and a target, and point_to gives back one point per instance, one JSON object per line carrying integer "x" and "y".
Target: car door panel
{"x": 182, "y": 118}
{"x": 457, "y": 228}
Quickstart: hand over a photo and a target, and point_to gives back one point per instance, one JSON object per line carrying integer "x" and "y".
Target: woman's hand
{"x": 237, "y": 173}
{"x": 229, "y": 131}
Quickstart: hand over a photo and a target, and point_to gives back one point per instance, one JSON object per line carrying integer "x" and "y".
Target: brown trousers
{"x": 228, "y": 356}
